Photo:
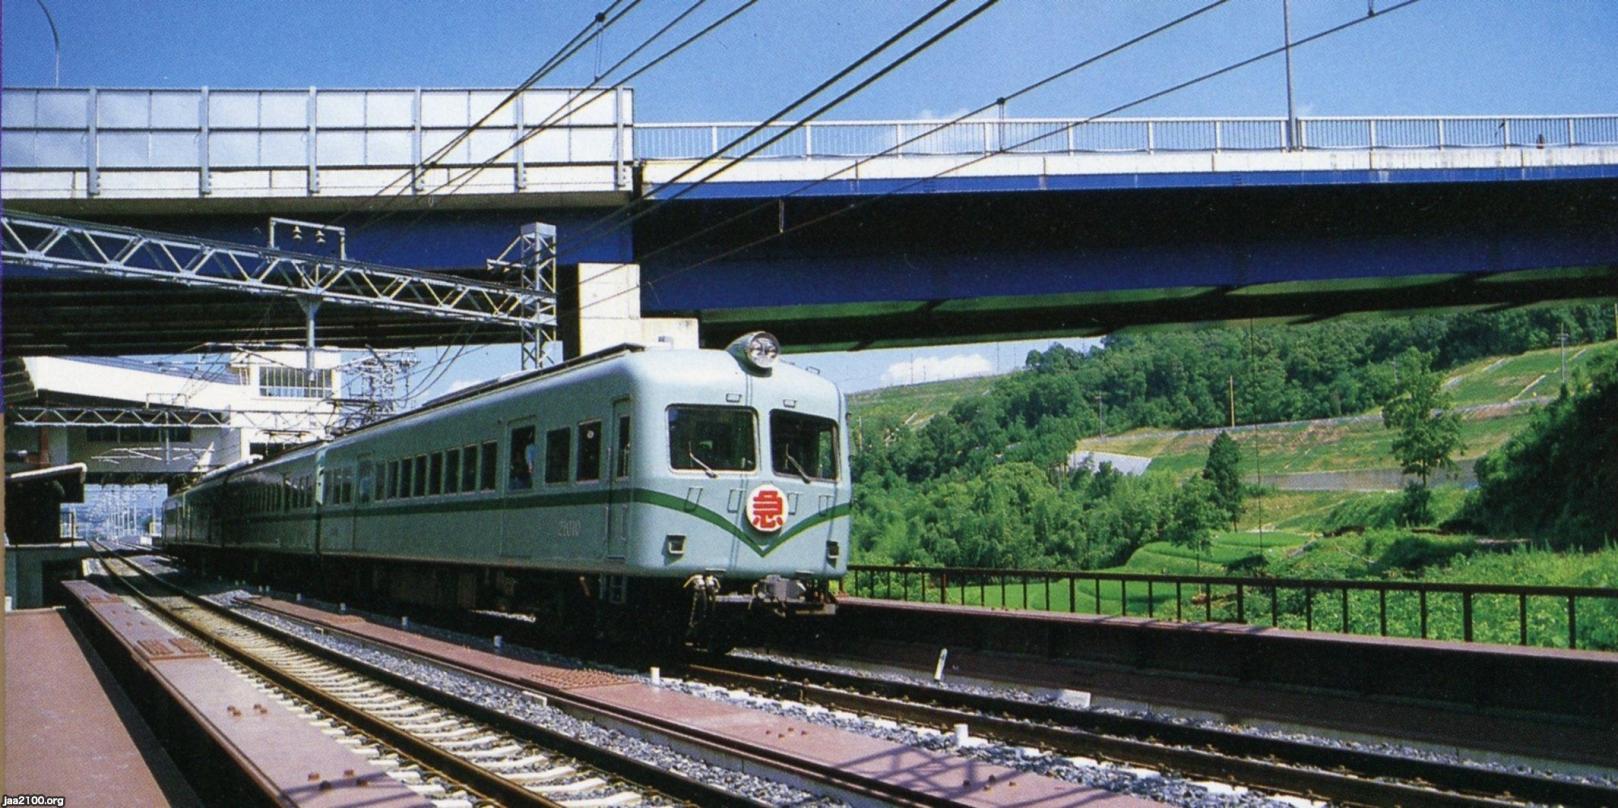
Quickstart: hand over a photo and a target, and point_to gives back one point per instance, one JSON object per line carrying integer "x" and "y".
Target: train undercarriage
{"x": 703, "y": 612}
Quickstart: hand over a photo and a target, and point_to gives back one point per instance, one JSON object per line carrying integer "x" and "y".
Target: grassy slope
{"x": 1365, "y": 444}
{"x": 915, "y": 403}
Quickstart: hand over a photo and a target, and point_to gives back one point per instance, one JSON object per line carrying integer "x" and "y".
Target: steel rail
{"x": 664, "y": 781}
{"x": 767, "y": 759}
{"x": 1294, "y": 767}
{"x": 482, "y": 782}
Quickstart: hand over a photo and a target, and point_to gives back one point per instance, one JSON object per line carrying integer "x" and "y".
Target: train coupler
{"x": 792, "y": 596}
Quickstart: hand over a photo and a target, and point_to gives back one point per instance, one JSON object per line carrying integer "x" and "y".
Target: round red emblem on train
{"x": 766, "y": 508}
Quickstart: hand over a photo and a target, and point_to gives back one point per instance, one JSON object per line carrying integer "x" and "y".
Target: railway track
{"x": 430, "y": 744}
{"x": 1336, "y": 774}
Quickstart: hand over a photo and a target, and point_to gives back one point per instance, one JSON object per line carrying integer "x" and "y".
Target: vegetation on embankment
{"x": 984, "y": 482}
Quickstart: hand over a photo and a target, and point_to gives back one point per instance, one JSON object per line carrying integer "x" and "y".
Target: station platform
{"x": 70, "y": 730}
{"x": 241, "y": 745}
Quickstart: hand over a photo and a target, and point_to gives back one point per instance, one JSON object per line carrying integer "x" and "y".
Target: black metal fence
{"x": 1552, "y": 616}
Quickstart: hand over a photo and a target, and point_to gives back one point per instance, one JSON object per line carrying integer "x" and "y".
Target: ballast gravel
{"x": 1386, "y": 748}
{"x": 1145, "y": 783}
{"x": 512, "y": 702}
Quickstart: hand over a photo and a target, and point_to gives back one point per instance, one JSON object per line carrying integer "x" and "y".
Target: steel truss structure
{"x": 114, "y": 416}
{"x": 531, "y": 260}
{"x": 295, "y": 424}
{"x": 51, "y": 243}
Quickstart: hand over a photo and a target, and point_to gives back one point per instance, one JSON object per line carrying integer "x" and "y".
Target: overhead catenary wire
{"x": 898, "y": 146}
{"x": 864, "y": 203}
{"x": 464, "y": 177}
{"x": 564, "y": 110}
{"x": 599, "y": 23}
{"x": 590, "y": 229}
{"x": 465, "y": 337}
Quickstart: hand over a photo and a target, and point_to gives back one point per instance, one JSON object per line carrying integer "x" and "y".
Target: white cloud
{"x": 461, "y": 384}
{"x": 932, "y": 368}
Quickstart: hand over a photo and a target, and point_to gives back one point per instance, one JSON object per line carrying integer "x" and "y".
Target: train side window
{"x": 521, "y": 474}
{"x": 622, "y": 460}
{"x": 435, "y": 473}
{"x": 558, "y": 448}
{"x": 589, "y": 451}
{"x": 367, "y": 481}
{"x": 404, "y": 478}
{"x": 488, "y": 466}
{"x": 348, "y": 486}
{"x": 420, "y": 488}
{"x": 469, "y": 468}
{"x": 452, "y": 471}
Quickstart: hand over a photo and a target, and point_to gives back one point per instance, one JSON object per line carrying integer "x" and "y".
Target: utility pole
{"x": 1562, "y": 338}
{"x": 1232, "y": 380}
{"x": 1292, "y": 118}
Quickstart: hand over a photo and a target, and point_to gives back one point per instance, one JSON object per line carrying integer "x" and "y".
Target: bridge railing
{"x": 98, "y": 130}
{"x": 1554, "y": 616}
{"x": 920, "y": 138}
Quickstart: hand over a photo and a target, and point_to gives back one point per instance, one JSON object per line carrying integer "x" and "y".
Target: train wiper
{"x": 793, "y": 461}
{"x": 706, "y": 469}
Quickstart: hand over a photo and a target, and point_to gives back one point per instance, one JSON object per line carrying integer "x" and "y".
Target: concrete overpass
{"x": 856, "y": 234}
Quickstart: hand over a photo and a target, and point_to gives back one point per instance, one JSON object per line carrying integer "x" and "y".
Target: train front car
{"x": 743, "y": 489}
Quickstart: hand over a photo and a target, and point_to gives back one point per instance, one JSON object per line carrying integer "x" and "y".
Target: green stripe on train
{"x": 644, "y": 496}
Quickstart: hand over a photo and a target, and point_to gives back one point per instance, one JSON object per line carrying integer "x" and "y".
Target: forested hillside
{"x": 1557, "y": 480}
{"x": 985, "y": 484}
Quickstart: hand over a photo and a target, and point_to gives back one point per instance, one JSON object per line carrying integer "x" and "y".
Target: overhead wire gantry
{"x": 57, "y": 245}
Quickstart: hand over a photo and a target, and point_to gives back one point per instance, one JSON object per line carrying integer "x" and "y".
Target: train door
{"x": 519, "y": 524}
{"x": 320, "y": 497}
{"x": 364, "y": 483}
{"x": 619, "y": 492}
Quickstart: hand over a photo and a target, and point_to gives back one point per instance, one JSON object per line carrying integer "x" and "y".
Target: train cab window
{"x": 452, "y": 471}
{"x": 488, "y": 466}
{"x": 803, "y": 445}
{"x": 621, "y": 459}
{"x": 469, "y": 468}
{"x": 523, "y": 455}
{"x": 558, "y": 450}
{"x": 420, "y": 487}
{"x": 710, "y": 439}
{"x": 435, "y": 474}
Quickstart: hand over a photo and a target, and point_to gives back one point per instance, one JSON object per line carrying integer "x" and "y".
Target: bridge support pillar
{"x": 599, "y": 307}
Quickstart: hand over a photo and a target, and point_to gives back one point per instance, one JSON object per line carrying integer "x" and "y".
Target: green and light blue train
{"x": 631, "y": 487}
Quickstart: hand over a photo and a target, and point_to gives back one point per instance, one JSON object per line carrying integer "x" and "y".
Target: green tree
{"x": 1195, "y": 515}
{"x": 1429, "y": 429}
{"x": 1223, "y": 469}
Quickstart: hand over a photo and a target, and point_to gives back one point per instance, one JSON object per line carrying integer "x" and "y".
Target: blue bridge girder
{"x": 849, "y": 234}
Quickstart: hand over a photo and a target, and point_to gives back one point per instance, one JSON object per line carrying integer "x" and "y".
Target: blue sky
{"x": 1452, "y": 57}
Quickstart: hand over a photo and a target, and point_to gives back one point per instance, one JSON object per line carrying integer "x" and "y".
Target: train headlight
{"x": 760, "y": 349}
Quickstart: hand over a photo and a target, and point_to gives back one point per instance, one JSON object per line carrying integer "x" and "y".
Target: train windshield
{"x": 803, "y": 445}
{"x": 711, "y": 439}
